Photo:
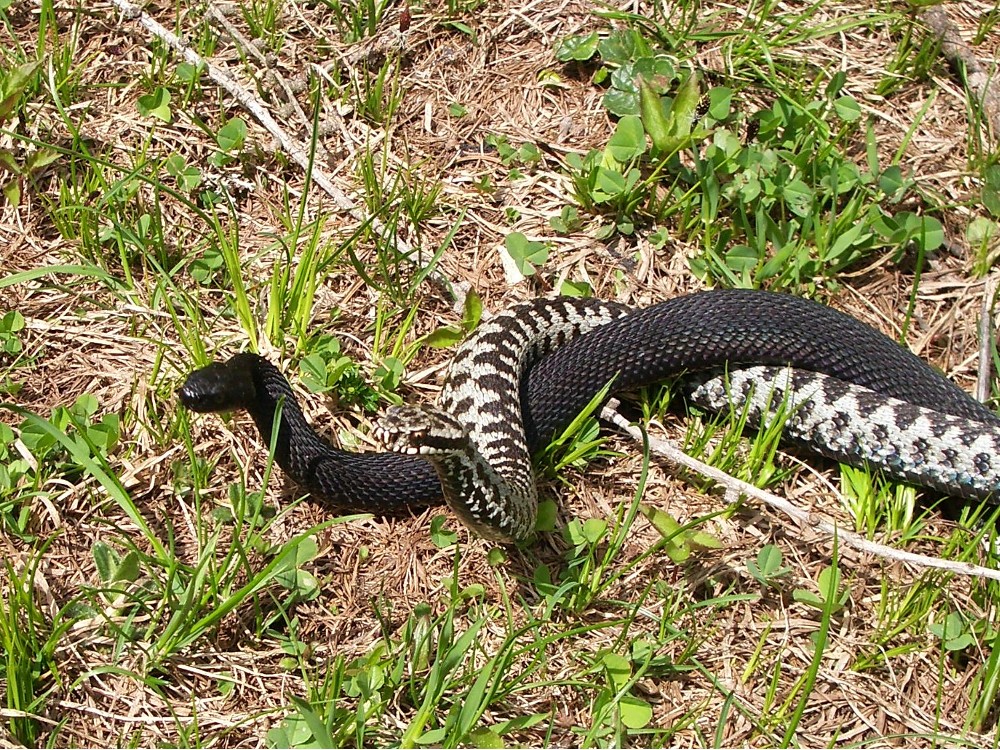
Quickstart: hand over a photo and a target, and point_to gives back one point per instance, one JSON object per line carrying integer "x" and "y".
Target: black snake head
{"x": 221, "y": 386}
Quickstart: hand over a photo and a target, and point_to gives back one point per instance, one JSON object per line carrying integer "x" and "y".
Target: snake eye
{"x": 217, "y": 387}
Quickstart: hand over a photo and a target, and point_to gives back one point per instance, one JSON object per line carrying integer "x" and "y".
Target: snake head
{"x": 220, "y": 386}
{"x": 469, "y": 484}
{"x": 420, "y": 430}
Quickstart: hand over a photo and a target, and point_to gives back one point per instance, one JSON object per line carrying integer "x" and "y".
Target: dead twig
{"x": 298, "y": 152}
{"x": 984, "y": 375}
{"x": 249, "y": 102}
{"x": 735, "y": 489}
{"x": 272, "y": 73}
{"x": 980, "y": 82}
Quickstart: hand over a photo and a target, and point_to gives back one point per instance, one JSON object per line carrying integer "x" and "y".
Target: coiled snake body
{"x": 848, "y": 392}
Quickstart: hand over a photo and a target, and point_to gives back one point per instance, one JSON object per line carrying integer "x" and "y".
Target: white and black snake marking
{"x": 851, "y": 424}
{"x": 475, "y": 437}
{"x": 523, "y": 376}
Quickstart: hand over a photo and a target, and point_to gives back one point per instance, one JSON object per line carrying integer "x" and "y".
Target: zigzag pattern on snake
{"x": 543, "y": 361}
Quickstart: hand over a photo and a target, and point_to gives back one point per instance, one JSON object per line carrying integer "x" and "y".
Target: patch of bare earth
{"x": 83, "y": 340}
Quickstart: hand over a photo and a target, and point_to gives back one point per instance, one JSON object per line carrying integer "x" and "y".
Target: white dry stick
{"x": 244, "y": 45}
{"x": 736, "y": 488}
{"x": 984, "y": 378}
{"x": 982, "y": 83}
{"x": 293, "y": 148}
{"x": 244, "y": 97}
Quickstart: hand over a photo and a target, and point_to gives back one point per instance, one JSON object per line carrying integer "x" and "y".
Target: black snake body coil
{"x": 857, "y": 396}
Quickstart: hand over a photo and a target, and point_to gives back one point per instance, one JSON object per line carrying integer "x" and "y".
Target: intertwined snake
{"x": 848, "y": 392}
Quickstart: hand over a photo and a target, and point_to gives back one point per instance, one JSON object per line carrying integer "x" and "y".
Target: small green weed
{"x": 357, "y": 19}
{"x": 878, "y": 506}
{"x": 955, "y": 632}
{"x": 617, "y": 711}
{"x": 568, "y": 221}
{"x": 394, "y": 198}
{"x": 579, "y": 443}
{"x": 915, "y": 56}
{"x": 222, "y": 580}
{"x": 28, "y": 643}
{"x": 23, "y": 168}
{"x": 429, "y": 663}
{"x": 833, "y": 595}
{"x": 982, "y": 232}
{"x": 303, "y": 264}
{"x": 594, "y": 547}
{"x": 378, "y": 96}
{"x": 326, "y": 369}
{"x": 156, "y": 104}
{"x": 523, "y": 157}
{"x": 115, "y": 570}
{"x": 785, "y": 205}
{"x": 526, "y": 254}
{"x": 983, "y": 692}
{"x": 263, "y": 18}
{"x": 19, "y": 483}
{"x": 767, "y": 568}
{"x": 831, "y": 599}
{"x": 441, "y": 534}
{"x": 11, "y": 325}
{"x": 680, "y": 541}
{"x": 188, "y": 177}
{"x": 231, "y": 138}
{"x": 89, "y": 436}
{"x": 730, "y": 443}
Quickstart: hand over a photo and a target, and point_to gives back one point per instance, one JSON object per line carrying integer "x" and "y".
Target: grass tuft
{"x": 163, "y": 585}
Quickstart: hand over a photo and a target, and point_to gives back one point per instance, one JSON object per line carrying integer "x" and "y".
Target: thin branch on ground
{"x": 735, "y": 489}
{"x": 298, "y": 152}
{"x": 249, "y": 102}
{"x": 984, "y": 374}
{"x": 980, "y": 82}
{"x": 244, "y": 45}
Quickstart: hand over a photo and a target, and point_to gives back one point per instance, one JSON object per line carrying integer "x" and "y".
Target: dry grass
{"x": 733, "y": 652}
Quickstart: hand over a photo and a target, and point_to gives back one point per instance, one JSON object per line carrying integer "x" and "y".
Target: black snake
{"x": 850, "y": 393}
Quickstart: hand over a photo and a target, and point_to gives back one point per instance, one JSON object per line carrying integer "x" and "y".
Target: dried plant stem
{"x": 247, "y": 100}
{"x": 981, "y": 83}
{"x": 984, "y": 375}
{"x": 735, "y": 489}
{"x": 298, "y": 152}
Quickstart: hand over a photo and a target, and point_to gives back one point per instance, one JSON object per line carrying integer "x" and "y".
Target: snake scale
{"x": 848, "y": 392}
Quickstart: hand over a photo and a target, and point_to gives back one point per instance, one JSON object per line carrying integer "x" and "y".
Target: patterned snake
{"x": 847, "y": 392}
